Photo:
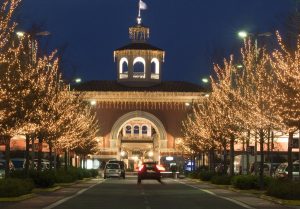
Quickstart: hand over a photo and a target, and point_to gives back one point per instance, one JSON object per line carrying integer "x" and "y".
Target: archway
{"x": 139, "y": 136}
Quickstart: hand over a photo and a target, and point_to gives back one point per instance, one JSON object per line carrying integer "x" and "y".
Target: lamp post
{"x": 31, "y": 36}
{"x": 244, "y": 34}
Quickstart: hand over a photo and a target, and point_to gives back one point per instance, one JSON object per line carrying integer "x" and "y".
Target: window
{"x": 154, "y": 68}
{"x": 123, "y": 68}
{"x": 144, "y": 130}
{"x": 139, "y": 66}
{"x": 136, "y": 130}
{"x": 128, "y": 129}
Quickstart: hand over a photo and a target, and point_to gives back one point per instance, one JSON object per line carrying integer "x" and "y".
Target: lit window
{"x": 136, "y": 130}
{"x": 144, "y": 130}
{"x": 128, "y": 129}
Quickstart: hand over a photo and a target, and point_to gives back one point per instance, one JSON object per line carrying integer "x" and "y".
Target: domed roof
{"x": 139, "y": 46}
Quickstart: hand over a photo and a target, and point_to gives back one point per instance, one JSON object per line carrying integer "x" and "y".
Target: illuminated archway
{"x": 156, "y": 65}
{"x": 121, "y": 63}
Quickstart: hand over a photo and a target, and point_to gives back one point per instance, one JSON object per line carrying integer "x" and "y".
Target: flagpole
{"x": 140, "y": 8}
{"x": 139, "y": 19}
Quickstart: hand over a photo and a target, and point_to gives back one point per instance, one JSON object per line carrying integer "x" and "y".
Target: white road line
{"x": 225, "y": 198}
{"x": 53, "y": 205}
{"x": 146, "y": 201}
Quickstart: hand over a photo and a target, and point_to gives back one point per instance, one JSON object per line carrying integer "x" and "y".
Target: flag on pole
{"x": 143, "y": 5}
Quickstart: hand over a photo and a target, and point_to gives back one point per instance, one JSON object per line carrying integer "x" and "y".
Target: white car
{"x": 282, "y": 170}
{"x": 2, "y": 170}
{"x": 112, "y": 170}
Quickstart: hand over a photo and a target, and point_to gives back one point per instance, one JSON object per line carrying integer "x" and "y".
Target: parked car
{"x": 2, "y": 167}
{"x": 44, "y": 163}
{"x": 2, "y": 170}
{"x": 269, "y": 168}
{"x": 282, "y": 170}
{"x": 149, "y": 170}
{"x": 122, "y": 166}
{"x": 112, "y": 170}
{"x": 19, "y": 163}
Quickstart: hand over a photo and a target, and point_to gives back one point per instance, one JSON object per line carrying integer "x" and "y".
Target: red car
{"x": 150, "y": 170}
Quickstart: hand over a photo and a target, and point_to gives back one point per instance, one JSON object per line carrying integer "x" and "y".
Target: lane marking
{"x": 53, "y": 205}
{"x": 146, "y": 201}
{"x": 214, "y": 194}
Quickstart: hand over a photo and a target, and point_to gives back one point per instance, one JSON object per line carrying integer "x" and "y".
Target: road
{"x": 150, "y": 194}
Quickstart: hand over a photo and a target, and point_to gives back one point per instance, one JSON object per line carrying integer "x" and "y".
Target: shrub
{"x": 43, "y": 179}
{"x": 94, "y": 173}
{"x": 15, "y": 187}
{"x": 64, "y": 176}
{"x": 249, "y": 182}
{"x": 86, "y": 173}
{"x": 245, "y": 181}
{"x": 21, "y": 174}
{"x": 222, "y": 180}
{"x": 193, "y": 175}
{"x": 206, "y": 175}
{"x": 284, "y": 189}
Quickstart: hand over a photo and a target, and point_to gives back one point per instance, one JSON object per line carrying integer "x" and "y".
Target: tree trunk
{"x": 272, "y": 154}
{"x": 290, "y": 160}
{"x": 299, "y": 152}
{"x": 268, "y": 145}
{"x": 225, "y": 158}
{"x": 66, "y": 160}
{"x": 232, "y": 155}
{"x": 261, "y": 170}
{"x": 40, "y": 147}
{"x": 255, "y": 153}
{"x": 247, "y": 154}
{"x": 7, "y": 155}
{"x": 212, "y": 160}
{"x": 27, "y": 159}
{"x": 32, "y": 151}
{"x": 50, "y": 157}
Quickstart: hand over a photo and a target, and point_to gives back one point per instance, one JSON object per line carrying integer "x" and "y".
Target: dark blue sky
{"x": 190, "y": 31}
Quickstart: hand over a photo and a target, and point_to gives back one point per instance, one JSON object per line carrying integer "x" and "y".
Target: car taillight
{"x": 160, "y": 168}
{"x": 141, "y": 168}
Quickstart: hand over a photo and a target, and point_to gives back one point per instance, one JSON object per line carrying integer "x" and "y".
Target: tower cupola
{"x": 139, "y": 63}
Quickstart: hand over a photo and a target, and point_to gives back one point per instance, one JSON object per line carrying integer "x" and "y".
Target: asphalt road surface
{"x": 150, "y": 194}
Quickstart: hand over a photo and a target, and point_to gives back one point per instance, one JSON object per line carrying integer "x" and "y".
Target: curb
{"x": 17, "y": 199}
{"x": 36, "y": 191}
{"x": 261, "y": 196}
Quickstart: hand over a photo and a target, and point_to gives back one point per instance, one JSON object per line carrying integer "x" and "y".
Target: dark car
{"x": 19, "y": 163}
{"x": 122, "y": 166}
{"x": 149, "y": 170}
{"x": 2, "y": 167}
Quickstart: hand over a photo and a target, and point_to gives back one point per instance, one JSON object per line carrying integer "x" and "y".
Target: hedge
{"x": 221, "y": 180}
{"x": 284, "y": 189}
{"x": 249, "y": 182}
{"x": 15, "y": 187}
{"x": 206, "y": 175}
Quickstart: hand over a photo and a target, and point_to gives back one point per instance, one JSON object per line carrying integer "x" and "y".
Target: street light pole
{"x": 244, "y": 34}
{"x": 31, "y": 36}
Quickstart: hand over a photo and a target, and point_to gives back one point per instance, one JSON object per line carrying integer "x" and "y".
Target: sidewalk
{"x": 43, "y": 199}
{"x": 252, "y": 200}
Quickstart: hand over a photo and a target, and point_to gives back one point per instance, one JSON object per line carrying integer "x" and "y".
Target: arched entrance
{"x": 138, "y": 136}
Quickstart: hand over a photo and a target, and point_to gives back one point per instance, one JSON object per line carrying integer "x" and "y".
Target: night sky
{"x": 194, "y": 33}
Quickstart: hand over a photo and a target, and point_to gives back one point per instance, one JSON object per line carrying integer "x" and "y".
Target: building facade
{"x": 139, "y": 114}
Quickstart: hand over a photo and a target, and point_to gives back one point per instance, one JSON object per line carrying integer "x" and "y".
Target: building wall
{"x": 170, "y": 117}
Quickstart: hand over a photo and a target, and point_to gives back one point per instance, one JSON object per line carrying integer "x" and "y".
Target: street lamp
{"x": 244, "y": 34}
{"x": 78, "y": 80}
{"x": 93, "y": 102}
{"x": 205, "y": 80}
{"x": 20, "y": 34}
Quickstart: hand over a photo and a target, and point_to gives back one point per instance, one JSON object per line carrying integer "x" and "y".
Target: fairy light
{"x": 32, "y": 97}
{"x": 286, "y": 65}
